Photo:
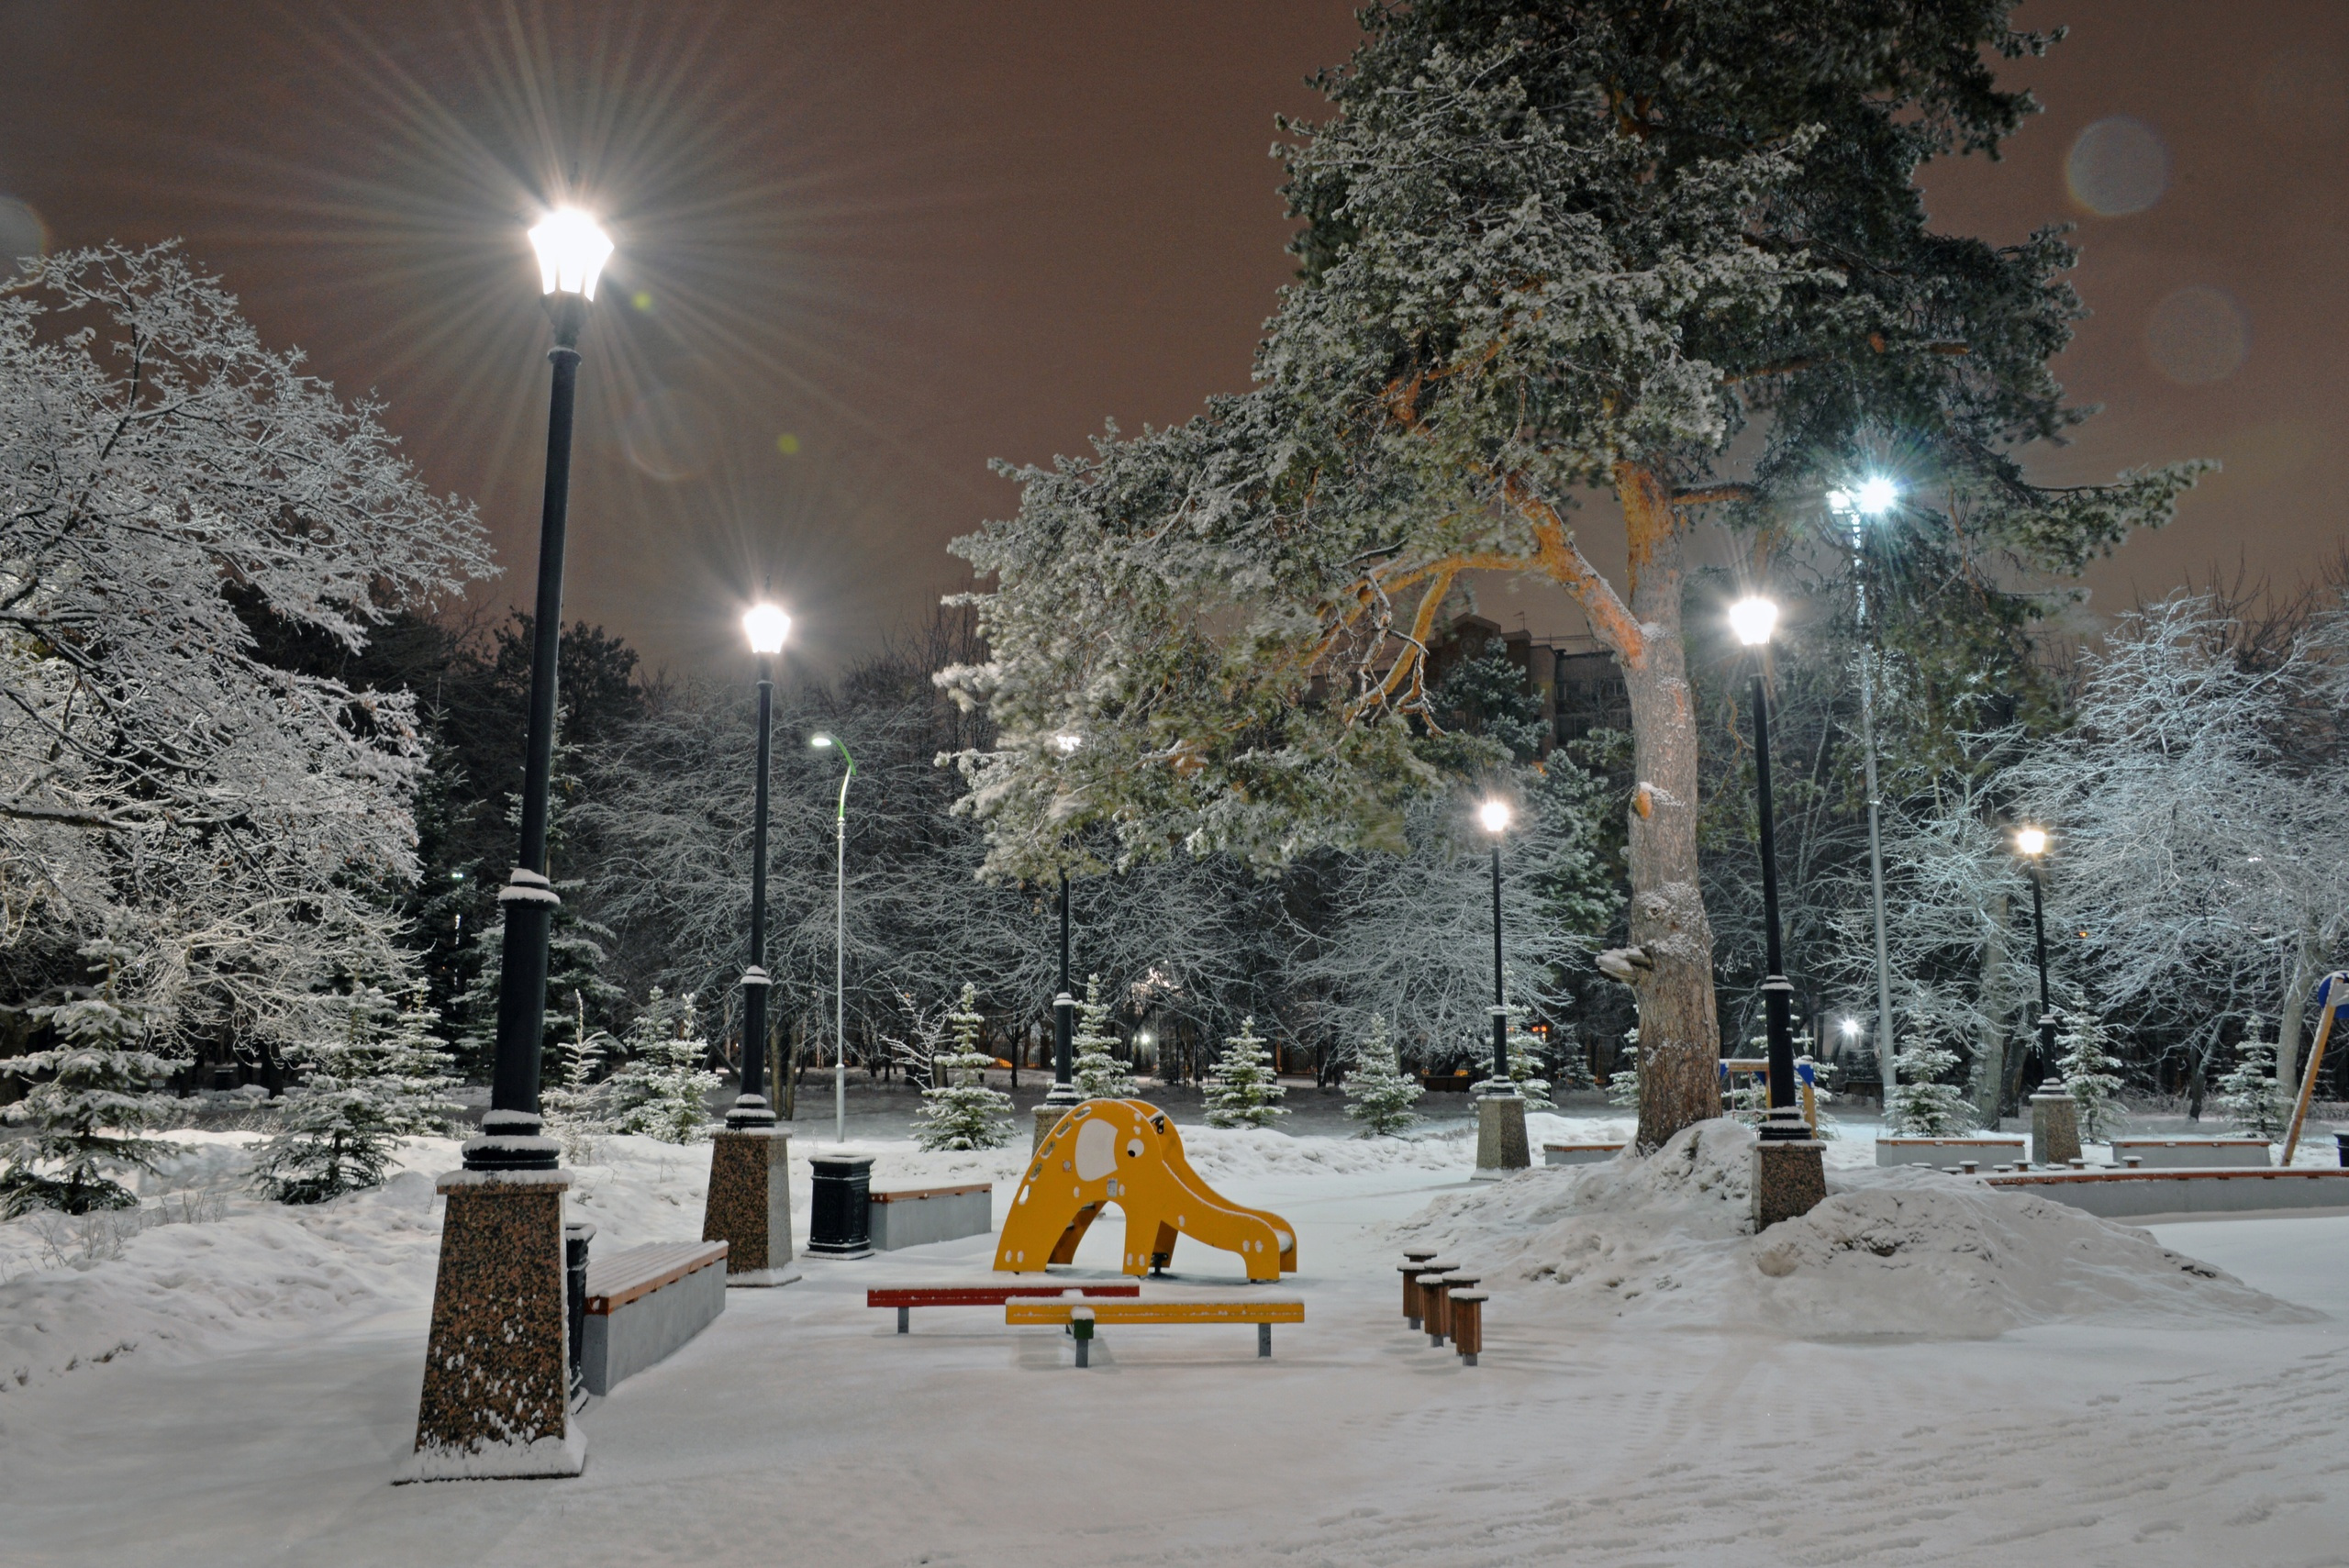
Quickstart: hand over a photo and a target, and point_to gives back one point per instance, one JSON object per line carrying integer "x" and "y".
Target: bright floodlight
{"x": 767, "y": 627}
{"x": 2032, "y": 840}
{"x": 571, "y": 252}
{"x": 1876, "y": 495}
{"x": 1494, "y": 815}
{"x": 1850, "y": 1028}
{"x": 819, "y": 741}
{"x": 1067, "y": 743}
{"x": 1754, "y": 619}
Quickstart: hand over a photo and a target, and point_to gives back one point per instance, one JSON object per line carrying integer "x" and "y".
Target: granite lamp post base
{"x": 496, "y": 1370}
{"x": 2054, "y": 1129}
{"x": 1048, "y": 1117}
{"x": 1789, "y": 1170}
{"x": 748, "y": 1207}
{"x": 1500, "y": 1137}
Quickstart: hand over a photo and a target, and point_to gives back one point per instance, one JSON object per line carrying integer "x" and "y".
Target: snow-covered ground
{"x": 1916, "y": 1373}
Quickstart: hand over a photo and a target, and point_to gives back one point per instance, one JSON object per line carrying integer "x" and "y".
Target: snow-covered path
{"x": 800, "y": 1429}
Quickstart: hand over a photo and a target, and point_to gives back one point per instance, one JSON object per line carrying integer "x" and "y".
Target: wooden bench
{"x": 2194, "y": 1153}
{"x": 2132, "y": 1194}
{"x": 1578, "y": 1153}
{"x": 905, "y": 1298}
{"x": 1900, "y": 1151}
{"x": 645, "y": 1302}
{"x": 1081, "y": 1313}
{"x": 914, "y": 1216}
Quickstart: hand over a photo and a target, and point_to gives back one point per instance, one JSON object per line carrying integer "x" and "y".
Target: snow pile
{"x": 1663, "y": 1242}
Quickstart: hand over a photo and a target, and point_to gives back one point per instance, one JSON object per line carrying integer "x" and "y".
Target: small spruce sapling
{"x": 88, "y": 1112}
{"x": 1381, "y": 1092}
{"x": 1922, "y": 1106}
{"x": 1525, "y": 1065}
{"x": 2249, "y": 1093}
{"x": 575, "y": 1104}
{"x": 958, "y": 1110}
{"x": 664, "y": 1090}
{"x": 361, "y": 1095}
{"x": 1242, "y": 1087}
{"x": 1623, "y": 1084}
{"x": 2087, "y": 1069}
{"x": 1098, "y": 1074}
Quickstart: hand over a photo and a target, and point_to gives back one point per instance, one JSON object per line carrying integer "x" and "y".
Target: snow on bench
{"x": 905, "y": 1298}
{"x": 645, "y": 1302}
{"x": 2193, "y": 1153}
{"x": 912, "y": 1217}
{"x": 2132, "y": 1195}
{"x": 1580, "y": 1153}
{"x": 1081, "y": 1312}
{"x": 1947, "y": 1151}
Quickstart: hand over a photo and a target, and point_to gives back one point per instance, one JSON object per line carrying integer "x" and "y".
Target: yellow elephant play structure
{"x": 1128, "y": 1152}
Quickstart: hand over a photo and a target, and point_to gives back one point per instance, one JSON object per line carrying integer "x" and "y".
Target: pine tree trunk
{"x": 1679, "y": 1025}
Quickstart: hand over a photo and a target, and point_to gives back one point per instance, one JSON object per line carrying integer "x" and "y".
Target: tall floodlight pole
{"x": 767, "y": 627}
{"x": 572, "y": 251}
{"x": 1872, "y": 497}
{"x": 840, "y": 943}
{"x": 1754, "y": 620}
{"x": 498, "y": 1373}
{"x": 1494, "y": 815}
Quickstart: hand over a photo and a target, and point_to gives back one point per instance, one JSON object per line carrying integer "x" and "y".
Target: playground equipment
{"x": 2331, "y": 997}
{"x": 1128, "y": 1152}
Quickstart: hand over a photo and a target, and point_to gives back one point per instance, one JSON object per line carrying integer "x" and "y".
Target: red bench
{"x": 905, "y": 1300}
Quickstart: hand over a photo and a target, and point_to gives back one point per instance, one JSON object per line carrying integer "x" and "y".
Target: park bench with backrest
{"x": 643, "y": 1302}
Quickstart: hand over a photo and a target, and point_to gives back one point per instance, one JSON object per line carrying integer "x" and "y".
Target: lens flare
{"x": 2117, "y": 166}
{"x": 2197, "y": 335}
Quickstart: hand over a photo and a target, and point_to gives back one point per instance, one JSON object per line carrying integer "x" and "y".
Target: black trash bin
{"x": 575, "y": 1237}
{"x": 839, "y": 1221}
{"x": 2340, "y": 1148}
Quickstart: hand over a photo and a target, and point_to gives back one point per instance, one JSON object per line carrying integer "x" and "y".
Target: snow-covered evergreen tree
{"x": 91, "y": 1096}
{"x": 1526, "y": 1071}
{"x": 958, "y": 1110}
{"x": 385, "y": 1078}
{"x": 664, "y": 1089}
{"x": 2254, "y": 1101}
{"x": 1922, "y": 1105}
{"x": 1623, "y": 1084}
{"x": 1242, "y": 1090}
{"x": 2086, "y": 1070}
{"x": 1098, "y": 1074}
{"x": 1381, "y": 1092}
{"x": 574, "y": 1104}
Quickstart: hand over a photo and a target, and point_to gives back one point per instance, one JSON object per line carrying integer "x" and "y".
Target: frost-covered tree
{"x": 574, "y": 1103}
{"x": 2087, "y": 1069}
{"x": 958, "y": 1109}
{"x": 1526, "y": 1069}
{"x": 92, "y": 1095}
{"x": 1623, "y": 1084}
{"x": 663, "y": 1091}
{"x": 1243, "y": 1090}
{"x": 1097, "y": 1073}
{"x": 1924, "y": 1104}
{"x": 1380, "y": 1095}
{"x": 1673, "y": 254}
{"x": 2254, "y": 1102}
{"x": 165, "y": 480}
{"x": 384, "y": 1078}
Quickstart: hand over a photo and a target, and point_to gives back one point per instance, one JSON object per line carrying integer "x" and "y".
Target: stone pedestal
{"x": 496, "y": 1369}
{"x": 750, "y": 1205}
{"x": 1789, "y": 1178}
{"x": 1048, "y": 1117}
{"x": 1500, "y": 1137}
{"x": 839, "y": 1215}
{"x": 2054, "y": 1129}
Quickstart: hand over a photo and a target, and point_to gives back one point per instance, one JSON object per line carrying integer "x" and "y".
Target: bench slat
{"x": 910, "y": 1195}
{"x": 983, "y": 1294}
{"x": 637, "y": 1272}
{"x": 1046, "y": 1310}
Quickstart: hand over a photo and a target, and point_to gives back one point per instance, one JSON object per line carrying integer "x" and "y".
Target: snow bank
{"x": 1663, "y": 1242}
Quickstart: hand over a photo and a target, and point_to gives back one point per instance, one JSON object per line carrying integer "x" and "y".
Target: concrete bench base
{"x": 1948, "y": 1150}
{"x": 2133, "y": 1195}
{"x": 918, "y": 1216}
{"x": 2192, "y": 1153}
{"x": 1580, "y": 1153}
{"x": 643, "y": 1302}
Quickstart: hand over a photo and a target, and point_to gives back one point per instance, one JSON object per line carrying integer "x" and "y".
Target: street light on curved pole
{"x": 571, "y": 250}
{"x": 1493, "y": 816}
{"x": 767, "y": 627}
{"x": 1872, "y": 497}
{"x": 839, "y": 940}
{"x": 1755, "y": 619}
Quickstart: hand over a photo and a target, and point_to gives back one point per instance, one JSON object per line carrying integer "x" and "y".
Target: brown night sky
{"x": 904, "y": 238}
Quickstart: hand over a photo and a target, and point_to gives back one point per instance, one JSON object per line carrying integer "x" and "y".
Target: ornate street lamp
{"x": 1872, "y": 497}
{"x": 1501, "y": 1144}
{"x": 839, "y": 939}
{"x": 2054, "y": 1114}
{"x": 1063, "y": 1094}
{"x": 1494, "y": 815}
{"x": 767, "y": 627}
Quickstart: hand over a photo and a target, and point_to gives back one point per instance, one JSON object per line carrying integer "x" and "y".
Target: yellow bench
{"x": 1082, "y": 1313}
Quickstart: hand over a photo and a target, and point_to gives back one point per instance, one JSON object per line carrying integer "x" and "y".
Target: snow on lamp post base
{"x": 1500, "y": 1135}
{"x": 1789, "y": 1169}
{"x": 2054, "y": 1129}
{"x": 497, "y": 1376}
{"x": 748, "y": 1207}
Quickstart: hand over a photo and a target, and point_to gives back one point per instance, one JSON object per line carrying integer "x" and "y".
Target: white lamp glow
{"x": 1850, "y": 1028}
{"x": 1876, "y": 495}
{"x": 1494, "y": 815}
{"x": 1067, "y": 743}
{"x": 821, "y": 742}
{"x": 2031, "y": 841}
{"x": 571, "y": 252}
{"x": 1754, "y": 619}
{"x": 767, "y": 627}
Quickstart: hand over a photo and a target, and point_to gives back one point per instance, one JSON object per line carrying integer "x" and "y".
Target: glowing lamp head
{"x": 571, "y": 252}
{"x": 2031, "y": 841}
{"x": 767, "y": 627}
{"x": 1067, "y": 744}
{"x": 1875, "y": 496}
{"x": 821, "y": 742}
{"x": 1753, "y": 618}
{"x": 1850, "y": 1028}
{"x": 1494, "y": 815}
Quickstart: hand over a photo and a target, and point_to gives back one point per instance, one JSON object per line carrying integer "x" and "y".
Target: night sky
{"x": 864, "y": 249}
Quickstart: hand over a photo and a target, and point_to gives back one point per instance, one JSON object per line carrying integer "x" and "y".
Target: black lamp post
{"x": 1754, "y": 620}
{"x": 2032, "y": 844}
{"x": 767, "y": 627}
{"x": 571, "y": 250}
{"x": 1494, "y": 815}
{"x": 1064, "y": 1089}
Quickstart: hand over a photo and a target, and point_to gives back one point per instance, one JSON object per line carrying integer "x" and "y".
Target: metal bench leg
{"x": 905, "y": 1318}
{"x": 1085, "y": 1353}
{"x": 1263, "y": 1339}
